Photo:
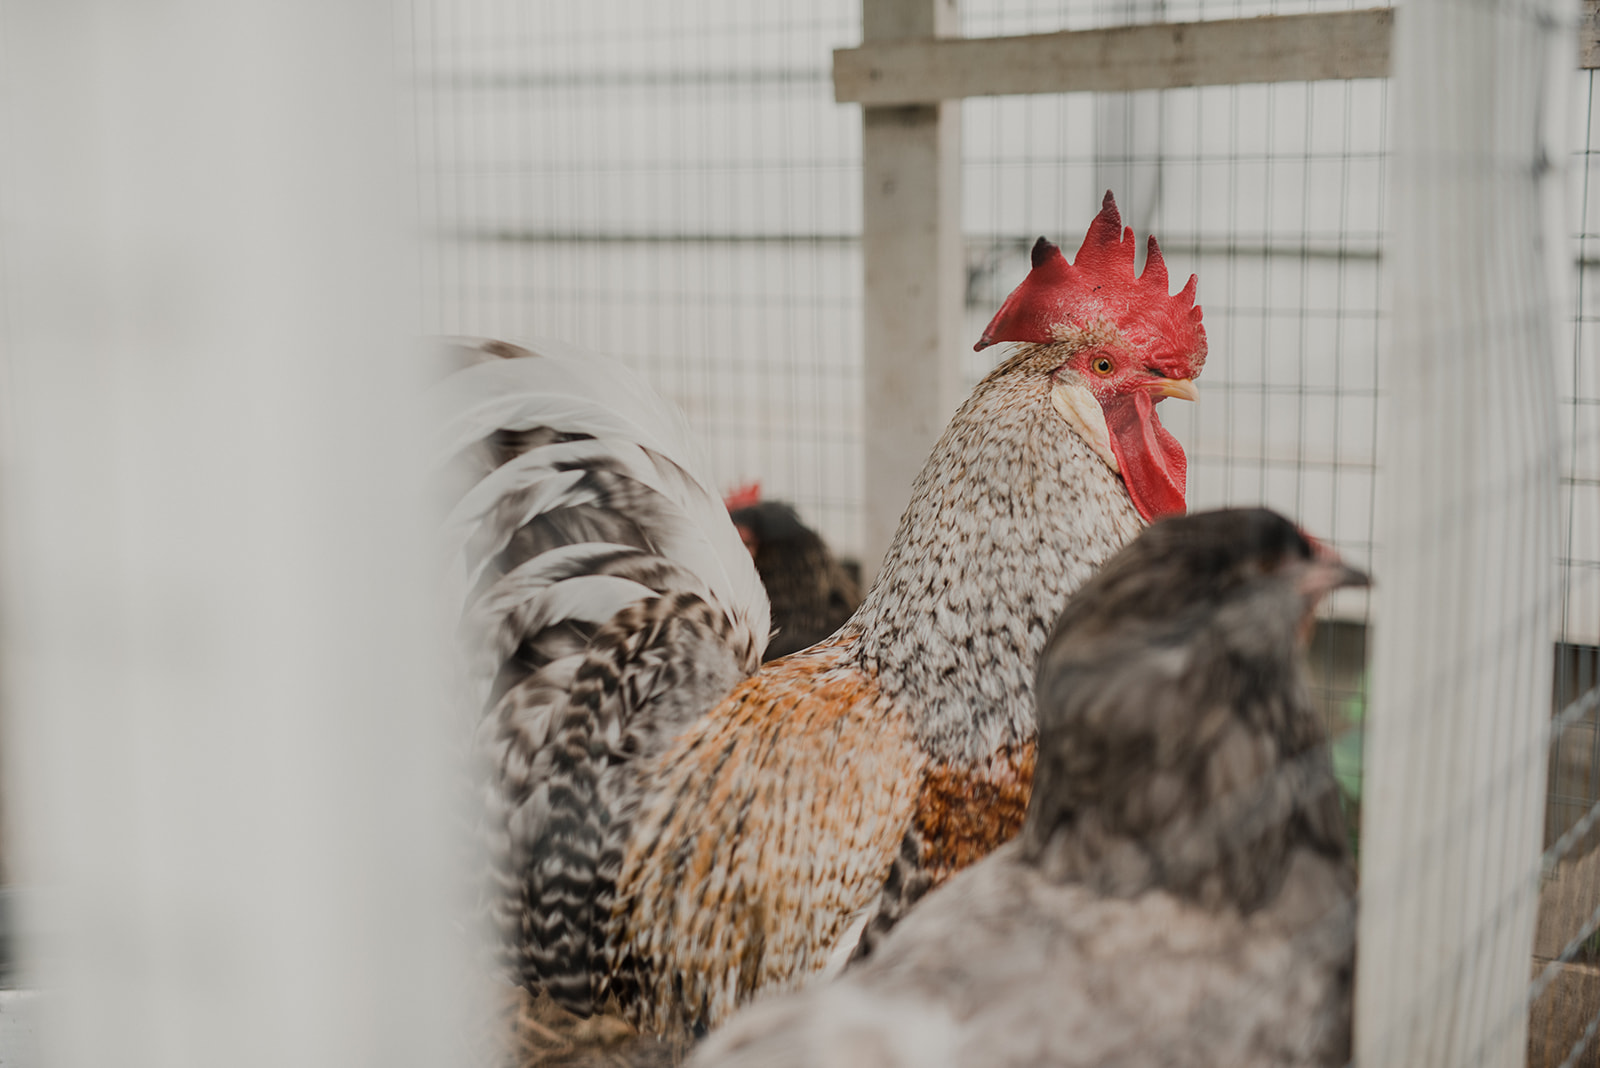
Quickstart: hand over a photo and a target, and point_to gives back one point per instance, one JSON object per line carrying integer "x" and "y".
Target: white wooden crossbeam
{"x": 1167, "y": 55}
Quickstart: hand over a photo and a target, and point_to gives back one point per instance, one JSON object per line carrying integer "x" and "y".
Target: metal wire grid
{"x": 681, "y": 191}
{"x": 1572, "y": 810}
{"x": 1575, "y": 756}
{"x": 677, "y": 187}
{"x": 1273, "y": 195}
{"x": 672, "y": 185}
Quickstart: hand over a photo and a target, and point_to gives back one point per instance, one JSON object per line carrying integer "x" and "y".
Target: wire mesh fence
{"x": 1273, "y": 195}
{"x": 677, "y": 187}
{"x": 672, "y": 185}
{"x": 681, "y": 191}
{"x": 1565, "y": 1000}
{"x": 1575, "y": 758}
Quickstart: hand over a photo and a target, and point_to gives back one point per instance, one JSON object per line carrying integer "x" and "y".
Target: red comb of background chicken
{"x": 1058, "y": 296}
{"x": 746, "y": 496}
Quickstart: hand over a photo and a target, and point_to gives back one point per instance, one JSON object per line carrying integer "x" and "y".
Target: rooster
{"x": 811, "y": 592}
{"x": 1181, "y": 892}
{"x": 673, "y": 828}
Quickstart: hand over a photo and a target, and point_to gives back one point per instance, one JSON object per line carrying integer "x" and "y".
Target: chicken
{"x": 1181, "y": 892}
{"x": 671, "y": 830}
{"x": 811, "y": 592}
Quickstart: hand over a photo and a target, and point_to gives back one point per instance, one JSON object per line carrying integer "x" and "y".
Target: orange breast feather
{"x": 965, "y": 813}
{"x": 763, "y": 830}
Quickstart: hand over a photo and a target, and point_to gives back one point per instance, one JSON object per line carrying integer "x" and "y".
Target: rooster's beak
{"x": 1182, "y": 388}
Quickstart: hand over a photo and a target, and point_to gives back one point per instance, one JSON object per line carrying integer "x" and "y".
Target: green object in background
{"x": 1346, "y": 750}
{"x": 1346, "y": 747}
{"x": 1347, "y": 763}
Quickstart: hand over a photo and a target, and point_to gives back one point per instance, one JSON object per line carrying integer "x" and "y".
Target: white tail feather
{"x": 632, "y": 427}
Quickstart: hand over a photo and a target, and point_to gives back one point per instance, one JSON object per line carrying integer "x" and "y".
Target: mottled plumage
{"x": 772, "y": 822}
{"x": 672, "y": 831}
{"x": 811, "y": 593}
{"x": 1181, "y": 892}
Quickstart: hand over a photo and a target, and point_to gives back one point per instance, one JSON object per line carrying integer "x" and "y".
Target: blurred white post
{"x": 915, "y": 276}
{"x": 1455, "y": 766}
{"x": 225, "y": 762}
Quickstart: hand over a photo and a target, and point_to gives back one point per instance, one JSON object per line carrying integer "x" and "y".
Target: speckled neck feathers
{"x": 1011, "y": 513}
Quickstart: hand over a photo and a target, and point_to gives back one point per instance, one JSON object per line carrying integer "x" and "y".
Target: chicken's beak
{"x": 1331, "y": 572}
{"x": 1320, "y": 577}
{"x": 1182, "y": 388}
{"x": 1328, "y": 573}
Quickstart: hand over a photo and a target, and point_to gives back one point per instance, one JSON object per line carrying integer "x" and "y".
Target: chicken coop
{"x": 794, "y": 221}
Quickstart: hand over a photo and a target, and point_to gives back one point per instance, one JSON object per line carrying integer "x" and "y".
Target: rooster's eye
{"x": 1102, "y": 366}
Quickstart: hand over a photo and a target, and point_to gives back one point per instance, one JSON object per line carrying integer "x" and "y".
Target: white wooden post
{"x": 1456, "y": 755}
{"x": 225, "y": 754}
{"x": 915, "y": 276}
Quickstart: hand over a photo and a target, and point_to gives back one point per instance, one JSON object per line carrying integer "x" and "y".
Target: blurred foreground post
{"x": 1455, "y": 748}
{"x": 225, "y": 760}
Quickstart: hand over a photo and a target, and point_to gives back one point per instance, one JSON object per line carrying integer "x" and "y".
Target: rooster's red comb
{"x": 1058, "y": 296}
{"x": 746, "y": 496}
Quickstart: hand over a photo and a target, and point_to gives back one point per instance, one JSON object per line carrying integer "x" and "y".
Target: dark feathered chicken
{"x": 1180, "y": 892}
{"x": 811, "y": 593}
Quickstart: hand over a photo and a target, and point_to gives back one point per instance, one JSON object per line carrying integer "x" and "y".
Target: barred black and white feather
{"x": 606, "y": 602}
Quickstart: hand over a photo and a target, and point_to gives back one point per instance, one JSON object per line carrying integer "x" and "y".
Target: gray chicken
{"x": 1181, "y": 892}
